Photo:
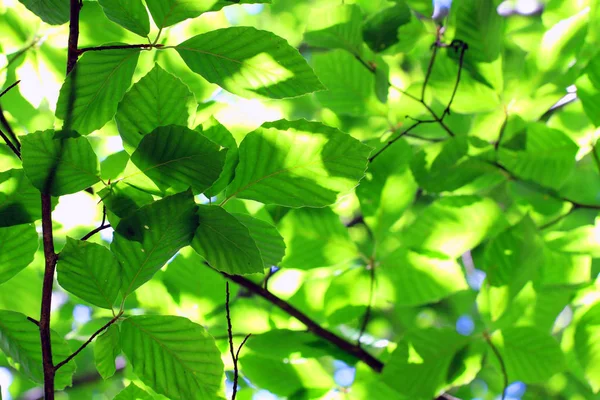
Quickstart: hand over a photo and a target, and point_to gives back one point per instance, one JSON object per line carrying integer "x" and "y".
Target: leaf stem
{"x": 500, "y": 360}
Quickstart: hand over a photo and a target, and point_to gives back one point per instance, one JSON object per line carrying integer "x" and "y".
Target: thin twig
{"x": 10, "y": 87}
{"x": 99, "y": 228}
{"x": 84, "y": 345}
{"x": 391, "y": 142}
{"x": 234, "y": 355}
{"x": 367, "y": 316}
{"x": 500, "y": 360}
{"x": 435, "y": 47}
{"x": 558, "y": 219}
{"x": 35, "y": 321}
{"x": 9, "y": 130}
{"x": 143, "y": 46}
{"x": 10, "y": 144}
{"x": 462, "y": 47}
{"x": 502, "y": 130}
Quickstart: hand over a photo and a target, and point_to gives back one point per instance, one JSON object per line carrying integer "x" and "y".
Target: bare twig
{"x": 10, "y": 87}
{"x": 394, "y": 140}
{"x": 235, "y": 355}
{"x": 10, "y": 144}
{"x": 435, "y": 47}
{"x": 9, "y": 130}
{"x": 462, "y": 48}
{"x": 500, "y": 360}
{"x": 87, "y": 342}
{"x": 102, "y": 226}
{"x": 143, "y": 46}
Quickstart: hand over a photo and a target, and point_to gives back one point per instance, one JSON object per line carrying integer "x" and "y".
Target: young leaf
{"x": 309, "y": 164}
{"x": 133, "y": 392}
{"x": 106, "y": 348}
{"x": 335, "y": 27}
{"x": 315, "y": 238}
{"x": 267, "y": 238}
{"x": 130, "y": 14}
{"x": 177, "y": 158}
{"x": 249, "y": 62}
{"x": 174, "y": 356}
{"x": 225, "y": 243}
{"x": 530, "y": 355}
{"x": 169, "y": 12}
{"x": 53, "y": 12}
{"x": 18, "y": 245}
{"x": 144, "y": 241}
{"x": 89, "y": 271}
{"x": 91, "y": 93}
{"x": 19, "y": 200}
{"x": 59, "y": 163}
{"x": 158, "y": 99}
{"x": 20, "y": 340}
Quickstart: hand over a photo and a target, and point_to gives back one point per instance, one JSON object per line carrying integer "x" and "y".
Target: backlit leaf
{"x": 18, "y": 245}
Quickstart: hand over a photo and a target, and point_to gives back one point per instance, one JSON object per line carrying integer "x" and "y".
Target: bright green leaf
{"x": 217, "y": 133}
{"x": 133, "y": 392}
{"x": 106, "y": 348}
{"x": 174, "y": 356}
{"x": 309, "y": 164}
{"x": 480, "y": 26}
{"x": 130, "y": 14}
{"x": 587, "y": 346}
{"x": 249, "y": 62}
{"x": 267, "y": 239}
{"x": 19, "y": 200}
{"x": 336, "y": 27}
{"x": 381, "y": 29}
{"x": 53, "y": 12}
{"x": 18, "y": 245}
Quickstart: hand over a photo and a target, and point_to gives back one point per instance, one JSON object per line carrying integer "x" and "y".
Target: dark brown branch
{"x": 143, "y": 46}
{"x": 94, "y": 231}
{"x": 16, "y": 55}
{"x": 35, "y": 321}
{"x": 84, "y": 345}
{"x": 367, "y": 316}
{"x": 234, "y": 355}
{"x": 9, "y": 130}
{"x": 500, "y": 360}
{"x": 314, "y": 327}
{"x": 10, "y": 87}
{"x": 391, "y": 142}
{"x": 435, "y": 47}
{"x": 462, "y": 48}
{"x": 10, "y": 144}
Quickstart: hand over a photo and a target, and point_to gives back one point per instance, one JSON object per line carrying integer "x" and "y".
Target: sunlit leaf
{"x": 308, "y": 163}
{"x": 267, "y": 239}
{"x": 174, "y": 356}
{"x": 131, "y": 15}
{"x": 133, "y": 392}
{"x": 587, "y": 347}
{"x": 19, "y": 200}
{"x": 53, "y": 12}
{"x": 106, "y": 348}
{"x": 480, "y": 26}
{"x": 18, "y": 245}
{"x": 217, "y": 133}
{"x": 337, "y": 27}
{"x": 91, "y": 93}
{"x": 380, "y": 31}
{"x": 249, "y": 62}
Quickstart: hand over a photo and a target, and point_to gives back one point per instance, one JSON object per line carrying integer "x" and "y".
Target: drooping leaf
{"x": 309, "y": 164}
{"x": 380, "y": 31}
{"x": 170, "y": 12}
{"x": 106, "y": 348}
{"x": 421, "y": 279}
{"x": 130, "y": 14}
{"x": 20, "y": 340}
{"x": 587, "y": 347}
{"x": 419, "y": 366}
{"x": 530, "y": 355}
{"x": 267, "y": 239}
{"x": 315, "y": 238}
{"x": 144, "y": 241}
{"x": 214, "y": 131}
{"x": 225, "y": 242}
{"x": 18, "y": 245}
{"x": 336, "y": 27}
{"x": 453, "y": 225}
{"x": 19, "y": 200}
{"x": 53, "y": 12}
{"x": 177, "y": 158}
{"x": 133, "y": 392}
{"x": 349, "y": 84}
{"x": 91, "y": 93}
{"x": 249, "y": 62}
{"x": 480, "y": 26}
{"x": 123, "y": 199}
{"x": 158, "y": 99}
{"x": 58, "y": 164}
{"x": 89, "y": 271}
{"x": 174, "y": 356}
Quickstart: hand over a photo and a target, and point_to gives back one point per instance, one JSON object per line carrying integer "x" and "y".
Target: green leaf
{"x": 315, "y": 238}
{"x": 170, "y": 12}
{"x": 174, "y": 356}
{"x": 336, "y": 27}
{"x": 20, "y": 340}
{"x": 249, "y": 62}
{"x": 480, "y": 26}
{"x": 548, "y": 158}
{"x": 131, "y": 15}
{"x": 587, "y": 347}
{"x": 225, "y": 243}
{"x": 267, "y": 239}
{"x": 53, "y": 12}
{"x": 349, "y": 84}
{"x": 133, "y": 392}
{"x": 309, "y": 164}
{"x": 422, "y": 279}
{"x": 380, "y": 31}
{"x": 144, "y": 241}
{"x": 588, "y": 91}
{"x": 419, "y": 366}
{"x": 113, "y": 166}
{"x": 158, "y": 99}
{"x": 106, "y": 348}
{"x": 123, "y": 199}
{"x": 19, "y": 200}
{"x": 18, "y": 245}
{"x": 177, "y": 158}
{"x": 453, "y": 225}
{"x": 217, "y": 133}
{"x": 58, "y": 164}
{"x": 91, "y": 93}
{"x": 530, "y": 355}
{"x": 89, "y": 271}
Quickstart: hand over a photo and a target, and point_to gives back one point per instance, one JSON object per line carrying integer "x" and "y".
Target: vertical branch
{"x": 500, "y": 360}
{"x": 235, "y": 355}
{"x": 462, "y": 48}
